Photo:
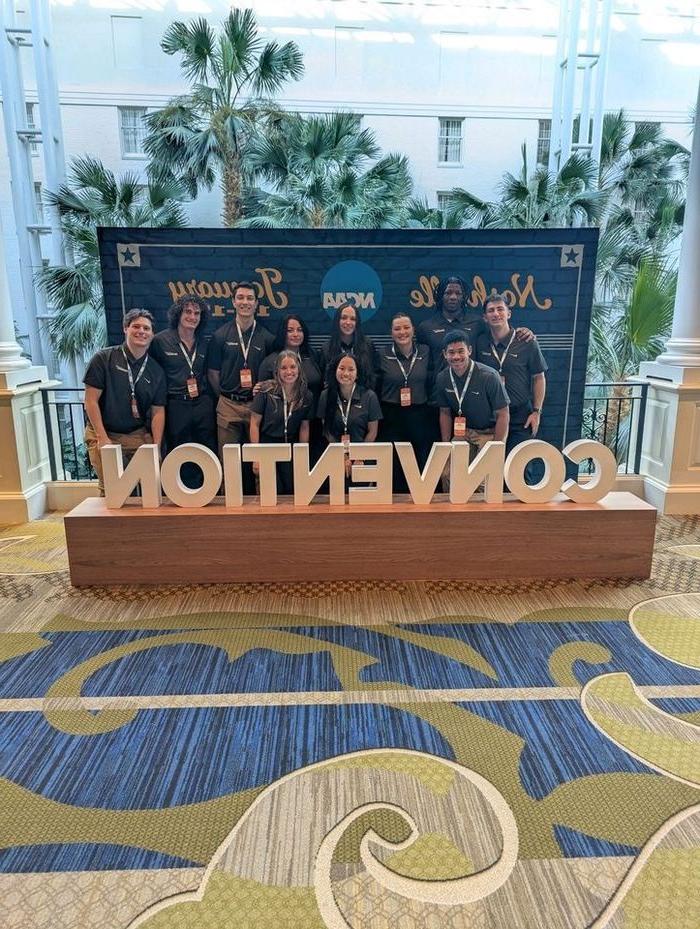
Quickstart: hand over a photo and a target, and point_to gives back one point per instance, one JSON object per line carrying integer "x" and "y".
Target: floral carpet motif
{"x": 350, "y": 756}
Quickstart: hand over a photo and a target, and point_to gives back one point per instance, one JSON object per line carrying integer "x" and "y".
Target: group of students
{"x": 459, "y": 375}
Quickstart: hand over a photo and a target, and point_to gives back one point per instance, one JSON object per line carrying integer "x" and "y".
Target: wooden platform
{"x": 169, "y": 545}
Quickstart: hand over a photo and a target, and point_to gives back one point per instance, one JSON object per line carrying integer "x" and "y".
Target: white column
{"x": 24, "y": 461}
{"x": 671, "y": 448}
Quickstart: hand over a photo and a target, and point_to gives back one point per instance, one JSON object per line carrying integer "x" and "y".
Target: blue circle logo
{"x": 352, "y": 282}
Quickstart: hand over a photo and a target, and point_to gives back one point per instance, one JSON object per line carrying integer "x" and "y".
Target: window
{"x": 31, "y": 125}
{"x": 132, "y": 130}
{"x": 38, "y": 202}
{"x": 544, "y": 137}
{"x": 445, "y": 200}
{"x": 450, "y": 141}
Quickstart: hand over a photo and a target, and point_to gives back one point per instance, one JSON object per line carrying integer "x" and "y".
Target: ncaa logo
{"x": 352, "y": 282}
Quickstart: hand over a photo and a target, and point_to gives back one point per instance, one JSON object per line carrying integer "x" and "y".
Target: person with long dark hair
{"x": 403, "y": 389}
{"x": 347, "y": 338}
{"x": 293, "y": 335}
{"x": 181, "y": 351}
{"x": 349, "y": 411}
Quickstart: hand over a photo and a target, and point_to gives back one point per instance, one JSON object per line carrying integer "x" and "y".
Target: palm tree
{"x": 324, "y": 171}
{"x": 92, "y": 197}
{"x": 201, "y": 137}
{"x": 537, "y": 200}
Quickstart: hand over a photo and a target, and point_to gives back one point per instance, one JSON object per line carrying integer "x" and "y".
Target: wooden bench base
{"x": 169, "y": 545}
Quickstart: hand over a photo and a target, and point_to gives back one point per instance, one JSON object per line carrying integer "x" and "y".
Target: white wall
{"x": 401, "y": 65}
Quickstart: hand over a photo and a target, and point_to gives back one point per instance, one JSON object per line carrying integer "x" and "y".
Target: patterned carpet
{"x": 349, "y": 756}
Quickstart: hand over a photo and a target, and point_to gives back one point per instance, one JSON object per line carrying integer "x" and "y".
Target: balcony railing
{"x": 613, "y": 413}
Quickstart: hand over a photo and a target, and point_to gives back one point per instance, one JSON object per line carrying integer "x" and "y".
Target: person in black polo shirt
{"x": 181, "y": 353}
{"x": 521, "y": 368}
{"x": 450, "y": 296}
{"x": 233, "y": 360}
{"x": 403, "y": 388}
{"x": 470, "y": 396}
{"x": 125, "y": 394}
{"x": 281, "y": 411}
{"x": 349, "y": 411}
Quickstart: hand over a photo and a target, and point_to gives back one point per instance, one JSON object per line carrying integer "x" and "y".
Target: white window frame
{"x": 30, "y": 110}
{"x": 544, "y": 141}
{"x": 450, "y": 143}
{"x": 445, "y": 200}
{"x": 139, "y": 131}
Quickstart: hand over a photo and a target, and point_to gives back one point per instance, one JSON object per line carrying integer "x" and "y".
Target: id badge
{"x": 503, "y": 379}
{"x": 460, "y": 427}
{"x": 192, "y": 389}
{"x": 246, "y": 378}
{"x": 405, "y": 396}
{"x": 345, "y": 439}
{"x": 135, "y": 408}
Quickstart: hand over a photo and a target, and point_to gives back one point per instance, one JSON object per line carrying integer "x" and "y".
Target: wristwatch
{"x": 537, "y": 409}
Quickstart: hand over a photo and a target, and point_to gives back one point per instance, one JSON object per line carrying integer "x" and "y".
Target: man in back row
{"x": 521, "y": 368}
{"x": 235, "y": 353}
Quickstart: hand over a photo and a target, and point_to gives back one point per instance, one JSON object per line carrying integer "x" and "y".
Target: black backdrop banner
{"x": 546, "y": 274}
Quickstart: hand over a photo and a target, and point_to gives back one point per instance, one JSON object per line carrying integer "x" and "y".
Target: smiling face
{"x": 190, "y": 317}
{"x": 457, "y": 356}
{"x": 402, "y": 331}
{"x": 245, "y": 303}
{"x": 453, "y": 299}
{"x": 138, "y": 334}
{"x": 288, "y": 371}
{"x": 295, "y": 335}
{"x": 347, "y": 322}
{"x": 346, "y": 372}
{"x": 496, "y": 315}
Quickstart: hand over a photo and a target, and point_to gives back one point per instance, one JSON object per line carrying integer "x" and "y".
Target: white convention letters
{"x": 371, "y": 469}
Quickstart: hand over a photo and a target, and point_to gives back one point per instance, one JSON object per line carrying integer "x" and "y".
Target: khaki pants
{"x": 232, "y": 428}
{"x": 232, "y": 422}
{"x": 129, "y": 443}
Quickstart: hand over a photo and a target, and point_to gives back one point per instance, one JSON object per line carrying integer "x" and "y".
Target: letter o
{"x": 554, "y": 471}
{"x": 604, "y": 476}
{"x": 175, "y": 490}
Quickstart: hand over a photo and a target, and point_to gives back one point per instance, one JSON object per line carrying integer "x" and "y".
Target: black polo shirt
{"x": 167, "y": 351}
{"x": 523, "y": 361}
{"x": 225, "y": 356}
{"x": 107, "y": 372}
{"x": 433, "y": 330}
{"x": 393, "y": 369}
{"x": 270, "y": 405}
{"x": 312, "y": 370}
{"x": 364, "y": 409}
{"x": 485, "y": 395}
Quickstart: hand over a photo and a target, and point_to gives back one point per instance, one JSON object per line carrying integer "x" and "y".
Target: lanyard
{"x": 460, "y": 397}
{"x": 345, "y": 414}
{"x": 190, "y": 361}
{"x": 414, "y": 356}
{"x": 501, "y": 358}
{"x": 134, "y": 381}
{"x": 245, "y": 349}
{"x": 288, "y": 409}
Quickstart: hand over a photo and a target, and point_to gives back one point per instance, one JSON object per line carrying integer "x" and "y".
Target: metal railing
{"x": 613, "y": 413}
{"x": 64, "y": 416}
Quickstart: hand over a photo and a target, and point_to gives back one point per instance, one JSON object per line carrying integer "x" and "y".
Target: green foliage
{"x": 202, "y": 137}
{"x": 324, "y": 171}
{"x": 92, "y": 197}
